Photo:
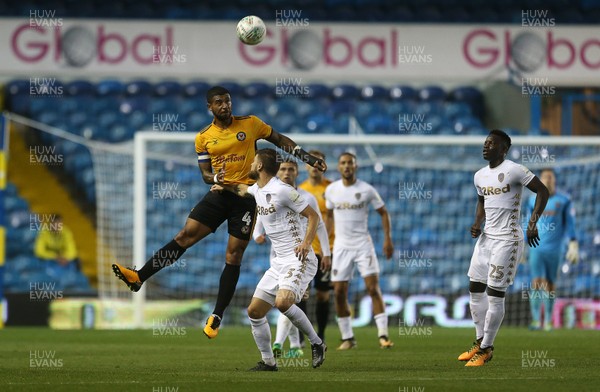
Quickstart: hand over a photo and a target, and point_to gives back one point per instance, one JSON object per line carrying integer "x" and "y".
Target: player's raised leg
{"x": 381, "y": 319}
{"x": 257, "y": 311}
{"x": 344, "y": 319}
{"x": 192, "y": 232}
{"x": 286, "y": 303}
{"x": 227, "y": 284}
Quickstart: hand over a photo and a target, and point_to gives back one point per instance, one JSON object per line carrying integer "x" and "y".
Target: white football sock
{"x": 479, "y": 306}
{"x": 299, "y": 319}
{"x": 381, "y": 320}
{"x": 294, "y": 337}
{"x": 493, "y": 320}
{"x": 283, "y": 329}
{"x": 345, "y": 324}
{"x": 262, "y": 337}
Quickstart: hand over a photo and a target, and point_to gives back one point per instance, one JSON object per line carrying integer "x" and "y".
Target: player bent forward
{"x": 499, "y": 248}
{"x": 295, "y": 265}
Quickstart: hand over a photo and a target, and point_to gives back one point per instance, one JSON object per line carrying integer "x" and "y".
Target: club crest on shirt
{"x": 241, "y": 136}
{"x": 268, "y": 197}
{"x": 501, "y": 177}
{"x": 294, "y": 196}
{"x": 357, "y": 195}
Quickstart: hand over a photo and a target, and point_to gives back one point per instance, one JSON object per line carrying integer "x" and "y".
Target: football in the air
{"x": 251, "y": 30}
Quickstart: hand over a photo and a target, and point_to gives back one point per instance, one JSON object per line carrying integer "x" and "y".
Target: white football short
{"x": 343, "y": 261}
{"x": 494, "y": 262}
{"x": 287, "y": 273}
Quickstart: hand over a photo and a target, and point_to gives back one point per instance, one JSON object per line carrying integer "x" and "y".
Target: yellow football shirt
{"x": 234, "y": 145}
{"x": 318, "y": 191}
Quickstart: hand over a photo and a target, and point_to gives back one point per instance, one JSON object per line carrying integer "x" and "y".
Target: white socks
{"x": 294, "y": 337}
{"x": 479, "y": 308}
{"x": 493, "y": 320}
{"x": 262, "y": 337}
{"x": 345, "y": 324}
{"x": 299, "y": 319}
{"x": 381, "y": 321}
{"x": 284, "y": 325}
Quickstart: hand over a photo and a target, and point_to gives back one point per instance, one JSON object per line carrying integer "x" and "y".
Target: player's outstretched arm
{"x": 541, "y": 198}
{"x": 288, "y": 145}
{"x": 386, "y": 222}
{"x": 479, "y": 217}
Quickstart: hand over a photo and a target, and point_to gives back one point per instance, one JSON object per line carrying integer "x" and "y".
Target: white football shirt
{"x": 312, "y": 201}
{"x": 278, "y": 206}
{"x": 502, "y": 188}
{"x": 350, "y": 205}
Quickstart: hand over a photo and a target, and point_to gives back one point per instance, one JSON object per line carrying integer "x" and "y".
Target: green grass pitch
{"x": 37, "y": 359}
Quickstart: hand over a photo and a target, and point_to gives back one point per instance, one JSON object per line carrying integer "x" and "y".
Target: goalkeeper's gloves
{"x": 573, "y": 252}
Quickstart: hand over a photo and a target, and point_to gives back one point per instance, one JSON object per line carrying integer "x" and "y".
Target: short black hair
{"x": 216, "y": 90}
{"x": 347, "y": 153}
{"x": 270, "y": 160}
{"x": 503, "y": 136}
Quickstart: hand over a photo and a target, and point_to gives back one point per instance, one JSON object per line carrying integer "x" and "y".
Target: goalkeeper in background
{"x": 557, "y": 221}
{"x": 228, "y": 140}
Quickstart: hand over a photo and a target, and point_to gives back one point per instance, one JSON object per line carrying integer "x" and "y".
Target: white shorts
{"x": 286, "y": 273}
{"x": 495, "y": 262}
{"x": 343, "y": 261}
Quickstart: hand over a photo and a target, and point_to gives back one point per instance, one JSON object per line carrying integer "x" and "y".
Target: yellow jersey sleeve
{"x": 203, "y": 155}
{"x": 261, "y": 129}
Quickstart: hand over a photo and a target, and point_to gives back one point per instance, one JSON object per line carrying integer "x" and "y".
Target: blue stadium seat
{"x": 168, "y": 88}
{"x": 196, "y": 89}
{"x": 341, "y": 106}
{"x": 257, "y": 89}
{"x": 138, "y": 120}
{"x": 402, "y": 93}
{"x": 318, "y": 90}
{"x": 284, "y": 105}
{"x": 320, "y": 123}
{"x": 367, "y": 108}
{"x": 79, "y": 88}
{"x": 138, "y": 87}
{"x": 119, "y": 132}
{"x": 107, "y": 119}
{"x": 190, "y": 105}
{"x": 134, "y": 103}
{"x": 432, "y": 93}
{"x": 17, "y": 87}
{"x": 373, "y": 92}
{"x": 463, "y": 125}
{"x": 110, "y": 88}
{"x": 345, "y": 91}
{"x": 380, "y": 124}
{"x": 283, "y": 122}
{"x": 234, "y": 88}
